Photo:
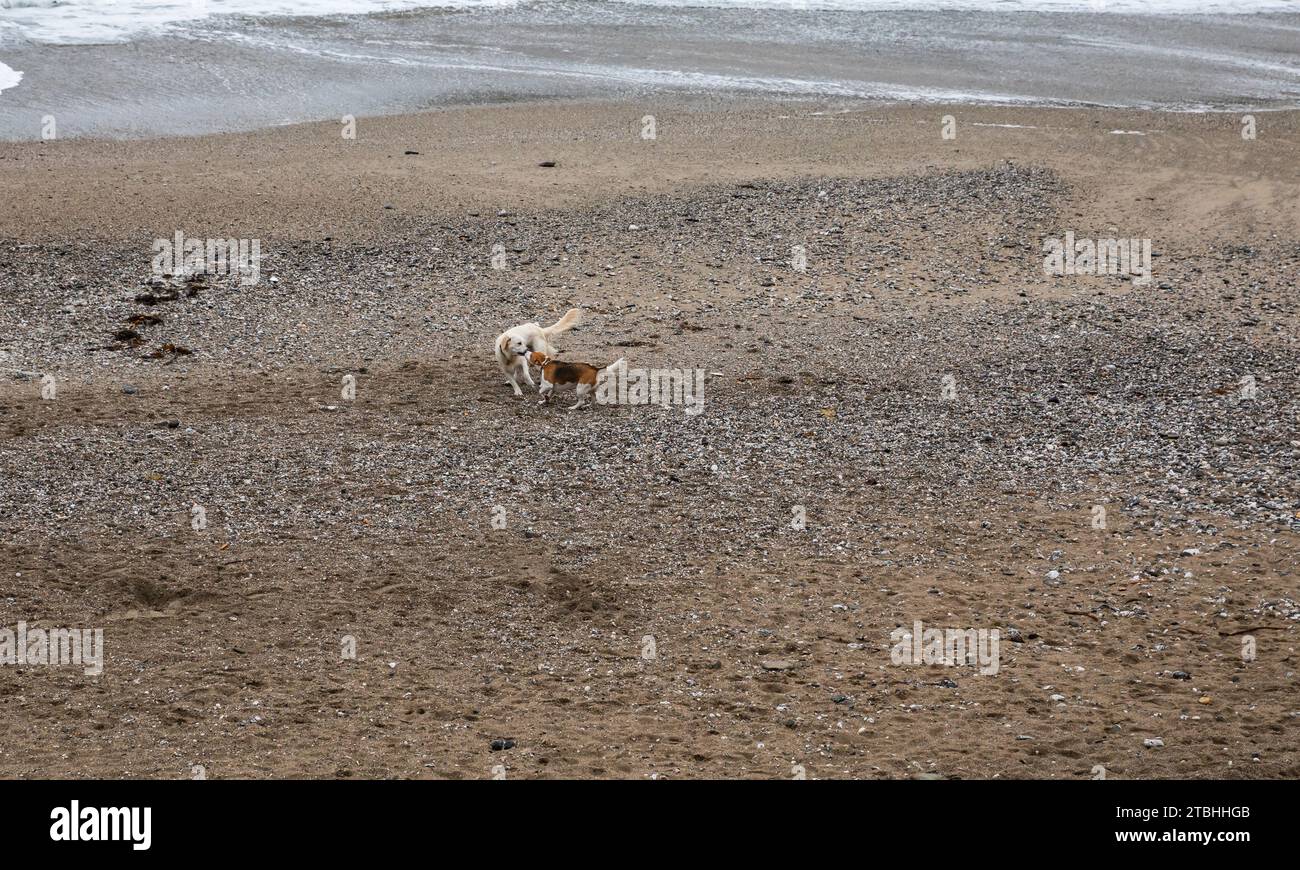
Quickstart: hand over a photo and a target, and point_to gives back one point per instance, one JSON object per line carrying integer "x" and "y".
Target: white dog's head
{"x": 513, "y": 345}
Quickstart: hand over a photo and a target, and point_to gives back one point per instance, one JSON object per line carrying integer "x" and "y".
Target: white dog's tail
{"x": 570, "y": 319}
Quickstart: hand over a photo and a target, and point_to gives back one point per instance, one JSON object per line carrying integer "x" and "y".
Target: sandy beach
{"x": 919, "y": 425}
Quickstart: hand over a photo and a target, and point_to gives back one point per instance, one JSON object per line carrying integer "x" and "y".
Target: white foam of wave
{"x": 95, "y": 21}
{"x": 9, "y": 77}
{"x": 66, "y": 22}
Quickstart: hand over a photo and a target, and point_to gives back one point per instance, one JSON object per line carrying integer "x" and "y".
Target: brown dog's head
{"x": 537, "y": 358}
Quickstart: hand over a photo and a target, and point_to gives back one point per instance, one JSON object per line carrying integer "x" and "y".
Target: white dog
{"x": 514, "y": 345}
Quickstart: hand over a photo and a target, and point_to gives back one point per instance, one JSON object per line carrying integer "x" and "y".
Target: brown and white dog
{"x": 514, "y": 343}
{"x": 557, "y": 373}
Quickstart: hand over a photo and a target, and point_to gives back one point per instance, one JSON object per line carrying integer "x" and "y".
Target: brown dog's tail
{"x": 570, "y": 319}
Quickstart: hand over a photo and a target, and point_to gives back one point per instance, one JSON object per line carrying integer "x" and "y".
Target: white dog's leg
{"x": 513, "y": 379}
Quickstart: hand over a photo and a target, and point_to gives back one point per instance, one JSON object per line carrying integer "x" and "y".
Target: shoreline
{"x": 830, "y": 105}
{"x": 259, "y": 73}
